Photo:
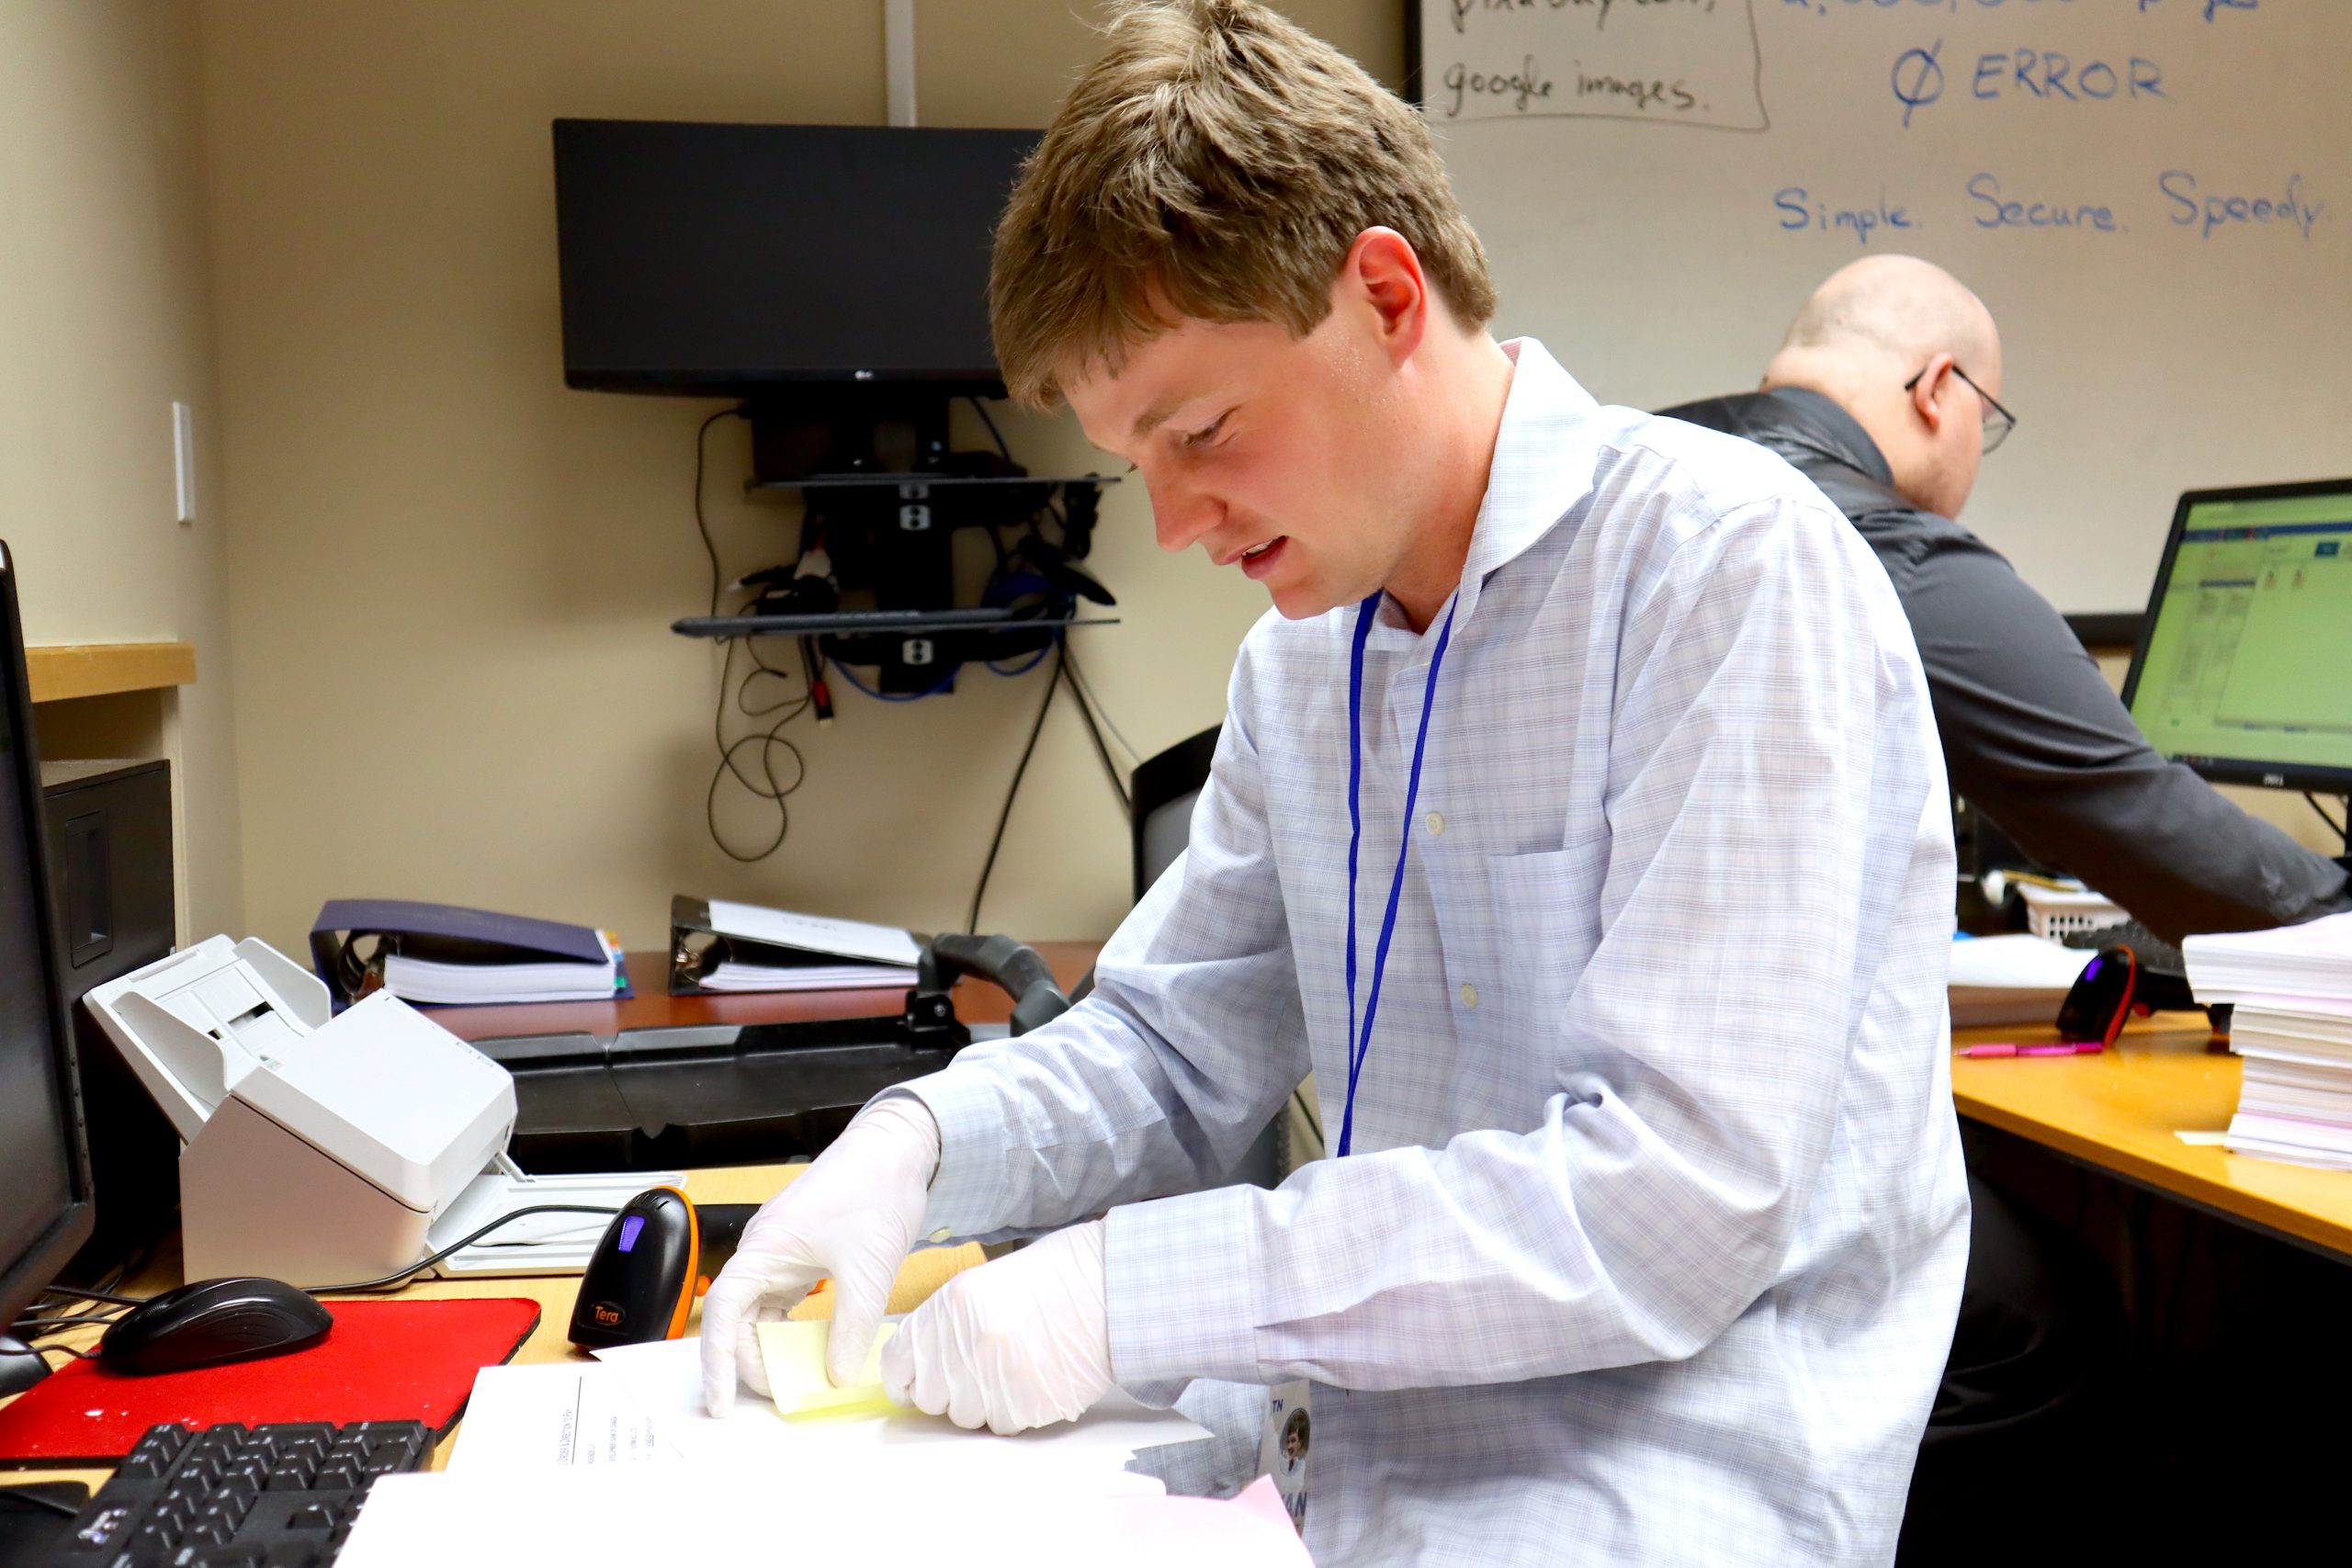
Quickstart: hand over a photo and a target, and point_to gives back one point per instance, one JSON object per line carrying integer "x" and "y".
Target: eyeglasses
{"x": 1998, "y": 421}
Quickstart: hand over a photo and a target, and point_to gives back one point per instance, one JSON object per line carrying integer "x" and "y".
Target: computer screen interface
{"x": 43, "y": 1187}
{"x": 2244, "y": 668}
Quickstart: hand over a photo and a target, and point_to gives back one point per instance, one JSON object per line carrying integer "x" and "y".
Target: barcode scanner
{"x": 655, "y": 1258}
{"x": 2104, "y": 995}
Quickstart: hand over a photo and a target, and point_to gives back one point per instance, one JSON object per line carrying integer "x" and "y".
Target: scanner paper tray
{"x": 704, "y": 1095}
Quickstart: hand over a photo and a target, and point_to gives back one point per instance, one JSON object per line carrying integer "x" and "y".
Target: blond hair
{"x": 1217, "y": 163}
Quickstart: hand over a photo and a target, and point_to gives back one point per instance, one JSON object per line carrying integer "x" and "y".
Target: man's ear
{"x": 1928, "y": 394}
{"x": 1384, "y": 276}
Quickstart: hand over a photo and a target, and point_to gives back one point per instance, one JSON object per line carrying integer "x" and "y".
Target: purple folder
{"x": 442, "y": 930}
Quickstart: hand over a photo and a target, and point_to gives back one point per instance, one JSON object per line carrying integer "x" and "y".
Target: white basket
{"x": 2055, "y": 913}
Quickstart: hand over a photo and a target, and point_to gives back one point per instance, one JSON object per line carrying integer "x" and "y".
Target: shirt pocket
{"x": 1517, "y": 932}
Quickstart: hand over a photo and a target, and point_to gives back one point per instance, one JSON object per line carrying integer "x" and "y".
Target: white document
{"x": 563, "y": 1416}
{"x": 911, "y": 1511}
{"x": 733, "y": 974}
{"x": 840, "y": 939}
{"x": 666, "y": 1379}
{"x": 2011, "y": 979}
{"x": 2308, "y": 966}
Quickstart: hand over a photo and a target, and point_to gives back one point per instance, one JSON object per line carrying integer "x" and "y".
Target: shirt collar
{"x": 1540, "y": 472}
{"x": 1812, "y": 420}
{"x": 1541, "y": 468}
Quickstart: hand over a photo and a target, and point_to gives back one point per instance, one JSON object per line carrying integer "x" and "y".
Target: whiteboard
{"x": 2154, "y": 197}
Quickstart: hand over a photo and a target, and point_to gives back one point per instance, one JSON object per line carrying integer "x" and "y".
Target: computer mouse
{"x": 211, "y": 1322}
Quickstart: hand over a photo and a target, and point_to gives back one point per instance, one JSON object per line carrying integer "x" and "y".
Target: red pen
{"x": 2064, "y": 1048}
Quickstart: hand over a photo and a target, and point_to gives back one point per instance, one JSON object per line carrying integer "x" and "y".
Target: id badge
{"x": 1282, "y": 1445}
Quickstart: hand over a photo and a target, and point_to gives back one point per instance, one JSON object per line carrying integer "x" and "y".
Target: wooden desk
{"x": 977, "y": 1002}
{"x": 922, "y": 1273}
{"x": 2122, "y": 1110}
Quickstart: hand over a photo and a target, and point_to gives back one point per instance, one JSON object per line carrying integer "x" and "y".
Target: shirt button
{"x": 1437, "y": 821}
{"x": 939, "y": 1235}
{"x": 1469, "y": 996}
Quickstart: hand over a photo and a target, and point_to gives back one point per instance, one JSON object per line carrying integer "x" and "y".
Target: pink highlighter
{"x": 2064, "y": 1048}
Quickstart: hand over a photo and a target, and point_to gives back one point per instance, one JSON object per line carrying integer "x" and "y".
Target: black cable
{"x": 1313, "y": 1122}
{"x": 2331, "y": 821}
{"x": 767, "y": 786}
{"x": 42, "y": 1326}
{"x": 402, "y": 1276}
{"x": 1086, "y": 691}
{"x": 709, "y": 546}
{"x": 1053, "y": 681}
{"x": 43, "y": 1350}
{"x": 1110, "y": 768}
{"x": 392, "y": 1280}
{"x": 81, "y": 1295}
{"x": 994, "y": 434}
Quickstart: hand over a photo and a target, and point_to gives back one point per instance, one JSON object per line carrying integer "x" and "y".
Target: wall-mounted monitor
{"x": 743, "y": 260}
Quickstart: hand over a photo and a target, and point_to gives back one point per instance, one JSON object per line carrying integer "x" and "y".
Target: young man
{"x": 1882, "y": 395}
{"x": 1577, "y": 816}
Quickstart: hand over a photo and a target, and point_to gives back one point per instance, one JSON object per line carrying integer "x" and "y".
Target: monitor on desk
{"x": 45, "y": 1206}
{"x": 2239, "y": 670}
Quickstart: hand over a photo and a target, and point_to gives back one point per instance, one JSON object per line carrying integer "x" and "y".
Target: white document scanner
{"x": 324, "y": 1149}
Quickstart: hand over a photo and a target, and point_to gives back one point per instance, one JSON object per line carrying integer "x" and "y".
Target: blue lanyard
{"x": 1359, "y": 1045}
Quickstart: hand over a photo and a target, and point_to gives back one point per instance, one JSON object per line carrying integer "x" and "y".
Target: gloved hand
{"x": 852, "y": 1216}
{"x": 1012, "y": 1344}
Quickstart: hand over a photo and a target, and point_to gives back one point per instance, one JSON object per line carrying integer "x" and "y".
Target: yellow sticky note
{"x": 794, "y": 1354}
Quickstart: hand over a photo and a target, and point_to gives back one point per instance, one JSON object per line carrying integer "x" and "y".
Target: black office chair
{"x": 1163, "y": 789}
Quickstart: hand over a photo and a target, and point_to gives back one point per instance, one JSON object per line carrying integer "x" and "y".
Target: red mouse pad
{"x": 382, "y": 1361}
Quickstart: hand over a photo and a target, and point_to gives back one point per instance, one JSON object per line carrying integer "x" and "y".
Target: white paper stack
{"x": 548, "y": 980}
{"x": 732, "y": 974}
{"x": 812, "y": 954}
{"x": 2010, "y": 979}
{"x": 616, "y": 1460}
{"x": 2291, "y": 994}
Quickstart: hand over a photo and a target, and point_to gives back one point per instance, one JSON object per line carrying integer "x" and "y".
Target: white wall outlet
{"x": 184, "y": 460}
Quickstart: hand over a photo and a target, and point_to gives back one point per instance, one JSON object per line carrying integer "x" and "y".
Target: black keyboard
{"x": 2153, "y": 951}
{"x": 2164, "y": 972}
{"x": 278, "y": 1495}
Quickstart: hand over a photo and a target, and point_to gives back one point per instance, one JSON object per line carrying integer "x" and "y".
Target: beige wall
{"x": 455, "y": 576}
{"x": 104, "y": 322}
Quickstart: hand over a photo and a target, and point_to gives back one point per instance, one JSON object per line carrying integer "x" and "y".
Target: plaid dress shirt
{"x": 1651, "y": 1242}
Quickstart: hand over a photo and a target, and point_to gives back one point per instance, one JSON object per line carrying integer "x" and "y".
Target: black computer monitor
{"x": 45, "y": 1203}
{"x": 2241, "y": 666}
{"x": 751, "y": 259}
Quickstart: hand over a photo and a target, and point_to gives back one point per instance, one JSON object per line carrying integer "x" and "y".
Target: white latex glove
{"x": 1012, "y": 1344}
{"x": 851, "y": 1217}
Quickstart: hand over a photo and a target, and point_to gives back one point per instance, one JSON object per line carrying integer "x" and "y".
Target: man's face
{"x": 1280, "y": 457}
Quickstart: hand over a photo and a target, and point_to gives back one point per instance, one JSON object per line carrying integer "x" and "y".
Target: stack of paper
{"x": 844, "y": 1477}
{"x": 2291, "y": 994}
{"x": 2010, "y": 979}
{"x": 733, "y": 975}
{"x": 439, "y": 980}
{"x": 914, "y": 1509}
{"x": 778, "y": 950}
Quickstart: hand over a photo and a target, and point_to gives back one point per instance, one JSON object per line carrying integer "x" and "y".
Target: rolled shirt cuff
{"x": 1181, "y": 1279}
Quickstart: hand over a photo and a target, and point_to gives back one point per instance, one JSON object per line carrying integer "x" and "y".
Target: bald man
{"x": 1885, "y": 395}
